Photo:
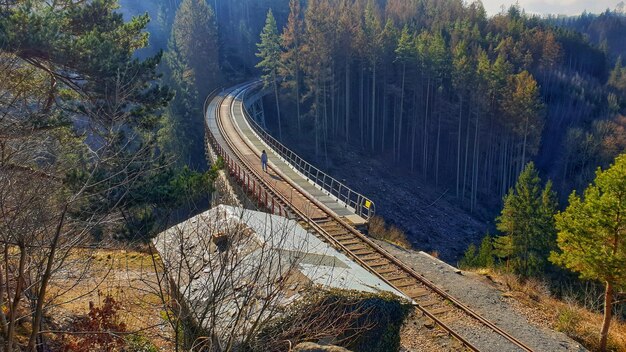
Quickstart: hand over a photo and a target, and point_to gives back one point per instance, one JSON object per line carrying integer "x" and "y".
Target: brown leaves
{"x": 100, "y": 330}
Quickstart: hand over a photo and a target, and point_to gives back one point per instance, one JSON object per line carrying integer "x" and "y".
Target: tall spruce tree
{"x": 291, "y": 58}
{"x": 270, "y": 53}
{"x": 193, "y": 72}
{"x": 527, "y": 218}
{"x": 592, "y": 235}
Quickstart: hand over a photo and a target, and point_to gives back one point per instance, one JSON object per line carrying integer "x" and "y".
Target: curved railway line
{"x": 228, "y": 124}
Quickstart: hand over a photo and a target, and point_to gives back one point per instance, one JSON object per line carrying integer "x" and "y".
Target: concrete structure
{"x": 229, "y": 257}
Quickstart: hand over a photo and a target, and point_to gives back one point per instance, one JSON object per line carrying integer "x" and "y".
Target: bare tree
{"x": 59, "y": 180}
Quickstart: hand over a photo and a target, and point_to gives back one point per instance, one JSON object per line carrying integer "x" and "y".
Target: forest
{"x": 459, "y": 99}
{"x": 102, "y": 136}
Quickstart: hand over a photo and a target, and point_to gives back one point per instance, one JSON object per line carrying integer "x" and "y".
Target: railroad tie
{"x": 351, "y": 242}
{"x": 428, "y": 303}
{"x": 379, "y": 263}
{"x": 405, "y": 283}
{"x": 344, "y": 237}
{"x": 362, "y": 252}
{"x": 397, "y": 277}
{"x": 416, "y": 292}
{"x": 440, "y": 311}
{"x": 387, "y": 270}
{"x": 356, "y": 246}
{"x": 369, "y": 257}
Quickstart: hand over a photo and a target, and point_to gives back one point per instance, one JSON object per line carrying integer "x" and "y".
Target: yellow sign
{"x": 368, "y": 204}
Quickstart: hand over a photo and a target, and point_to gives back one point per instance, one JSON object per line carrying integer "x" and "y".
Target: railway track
{"x": 280, "y": 195}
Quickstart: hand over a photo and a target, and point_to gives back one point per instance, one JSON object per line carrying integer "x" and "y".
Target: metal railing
{"x": 239, "y": 173}
{"x": 360, "y": 204}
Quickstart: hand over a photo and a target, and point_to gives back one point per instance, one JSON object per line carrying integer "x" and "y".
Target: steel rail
{"x": 336, "y": 219}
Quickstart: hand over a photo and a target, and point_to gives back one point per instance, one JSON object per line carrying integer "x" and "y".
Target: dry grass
{"x": 388, "y": 233}
{"x": 532, "y": 298}
{"x": 125, "y": 275}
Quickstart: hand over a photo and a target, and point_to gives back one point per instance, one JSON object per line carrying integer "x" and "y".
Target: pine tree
{"x": 194, "y": 37}
{"x": 192, "y": 71}
{"x": 291, "y": 61}
{"x": 270, "y": 53}
{"x": 525, "y": 111}
{"x": 484, "y": 258}
{"x": 372, "y": 32}
{"x": 592, "y": 235}
{"x": 617, "y": 79}
{"x": 527, "y": 219}
{"x": 405, "y": 55}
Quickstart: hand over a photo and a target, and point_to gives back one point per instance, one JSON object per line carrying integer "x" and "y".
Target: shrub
{"x": 379, "y": 230}
{"x": 358, "y": 321}
{"x": 98, "y": 331}
{"x": 139, "y": 343}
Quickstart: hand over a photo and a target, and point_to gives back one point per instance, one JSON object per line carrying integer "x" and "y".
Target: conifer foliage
{"x": 527, "y": 220}
{"x": 592, "y": 235}
{"x": 193, "y": 72}
{"x": 270, "y": 54}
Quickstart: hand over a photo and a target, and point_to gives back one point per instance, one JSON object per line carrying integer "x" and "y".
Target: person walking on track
{"x": 264, "y": 161}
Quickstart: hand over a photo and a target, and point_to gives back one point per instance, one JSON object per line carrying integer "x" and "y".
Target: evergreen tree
{"x": 617, "y": 79}
{"x": 194, "y": 38}
{"x": 80, "y": 115}
{"x": 193, "y": 72}
{"x": 527, "y": 219}
{"x": 484, "y": 258}
{"x": 270, "y": 54}
{"x": 291, "y": 61}
{"x": 405, "y": 55}
{"x": 481, "y": 257}
{"x": 592, "y": 235}
{"x": 525, "y": 112}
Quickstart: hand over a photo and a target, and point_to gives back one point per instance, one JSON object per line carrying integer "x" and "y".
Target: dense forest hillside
{"x": 462, "y": 127}
{"x": 605, "y": 30}
{"x": 460, "y": 99}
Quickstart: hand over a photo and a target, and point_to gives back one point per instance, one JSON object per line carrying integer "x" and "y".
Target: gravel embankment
{"x": 475, "y": 292}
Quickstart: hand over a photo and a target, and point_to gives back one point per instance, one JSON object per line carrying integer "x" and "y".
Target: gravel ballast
{"x": 488, "y": 301}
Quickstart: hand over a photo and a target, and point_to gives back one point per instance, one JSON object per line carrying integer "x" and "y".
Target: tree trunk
{"x": 372, "y": 129}
{"x": 317, "y": 118}
{"x": 608, "y": 312}
{"x": 458, "y": 147}
{"x": 425, "y": 132}
{"x": 325, "y": 135}
{"x": 41, "y": 295}
{"x": 347, "y": 101}
{"x": 361, "y": 108}
{"x": 384, "y": 114}
{"x": 413, "y": 133}
{"x": 3, "y": 318}
{"x": 280, "y": 131}
{"x": 524, "y": 145}
{"x": 401, "y": 112}
{"x": 298, "y": 95}
{"x": 437, "y": 149}
{"x": 467, "y": 138}
{"x": 19, "y": 287}
{"x": 475, "y": 164}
